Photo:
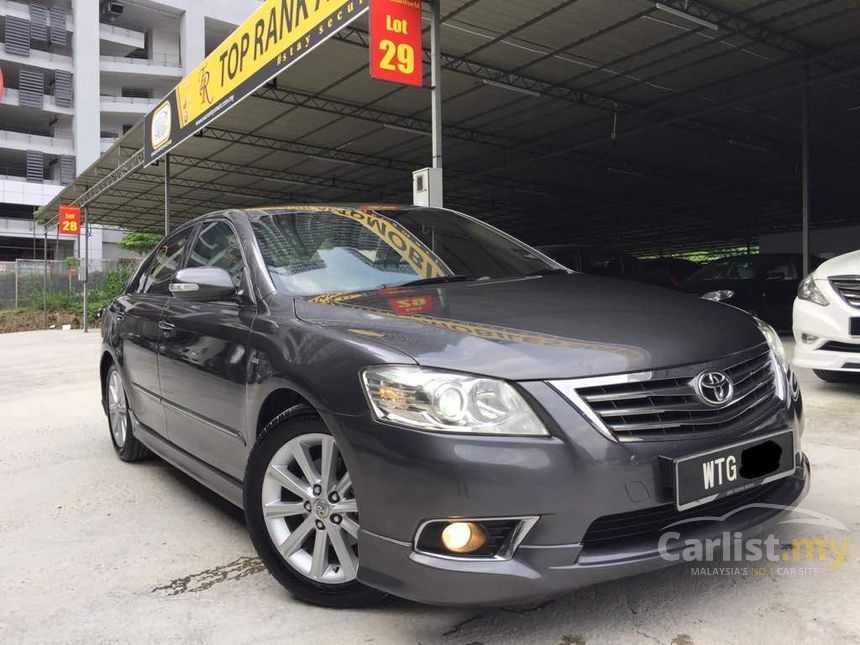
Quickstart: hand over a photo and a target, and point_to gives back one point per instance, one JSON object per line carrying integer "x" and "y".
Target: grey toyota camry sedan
{"x": 408, "y": 401}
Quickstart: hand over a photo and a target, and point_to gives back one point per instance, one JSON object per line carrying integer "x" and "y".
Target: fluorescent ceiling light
{"x": 511, "y": 88}
{"x": 622, "y": 171}
{"x": 330, "y": 160}
{"x": 401, "y": 128}
{"x": 241, "y": 195}
{"x": 289, "y": 182}
{"x": 687, "y": 16}
{"x": 748, "y": 146}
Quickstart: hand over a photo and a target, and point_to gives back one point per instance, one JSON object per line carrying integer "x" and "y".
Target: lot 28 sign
{"x": 69, "y": 220}
{"x": 395, "y": 41}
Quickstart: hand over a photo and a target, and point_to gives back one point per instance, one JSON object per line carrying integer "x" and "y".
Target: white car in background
{"x": 827, "y": 320}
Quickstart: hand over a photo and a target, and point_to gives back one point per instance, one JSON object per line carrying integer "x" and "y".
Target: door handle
{"x": 166, "y": 326}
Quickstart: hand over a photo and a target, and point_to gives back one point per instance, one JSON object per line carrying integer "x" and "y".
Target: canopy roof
{"x": 585, "y": 121}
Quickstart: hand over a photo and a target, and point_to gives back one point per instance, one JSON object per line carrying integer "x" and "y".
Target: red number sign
{"x": 70, "y": 220}
{"x": 395, "y": 41}
{"x": 411, "y": 306}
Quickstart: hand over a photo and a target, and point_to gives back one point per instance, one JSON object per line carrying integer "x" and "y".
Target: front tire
{"x": 302, "y": 513}
{"x": 832, "y": 376}
{"x": 119, "y": 419}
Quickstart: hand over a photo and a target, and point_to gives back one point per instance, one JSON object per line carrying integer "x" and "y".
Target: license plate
{"x": 709, "y": 475}
{"x": 855, "y": 327}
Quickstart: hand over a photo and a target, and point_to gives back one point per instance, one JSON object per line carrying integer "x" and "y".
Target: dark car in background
{"x": 764, "y": 284}
{"x": 608, "y": 263}
{"x": 671, "y": 271}
{"x": 408, "y": 401}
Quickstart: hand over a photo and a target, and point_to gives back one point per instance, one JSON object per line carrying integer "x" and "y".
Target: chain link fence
{"x": 26, "y": 284}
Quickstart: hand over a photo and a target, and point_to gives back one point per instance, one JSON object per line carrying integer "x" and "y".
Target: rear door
{"x": 138, "y": 318}
{"x": 204, "y": 358}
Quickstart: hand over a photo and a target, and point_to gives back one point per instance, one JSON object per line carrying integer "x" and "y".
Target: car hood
{"x": 542, "y": 327}
{"x": 848, "y": 264}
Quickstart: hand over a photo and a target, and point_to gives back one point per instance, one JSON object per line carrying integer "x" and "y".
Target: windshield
{"x": 326, "y": 250}
{"x": 742, "y": 267}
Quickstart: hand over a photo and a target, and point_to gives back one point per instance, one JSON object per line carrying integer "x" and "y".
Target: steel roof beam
{"x": 260, "y": 141}
{"x": 752, "y": 30}
{"x": 474, "y": 69}
{"x": 279, "y": 175}
{"x": 421, "y": 126}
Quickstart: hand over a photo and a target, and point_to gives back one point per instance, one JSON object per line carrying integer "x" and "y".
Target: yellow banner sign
{"x": 276, "y": 35}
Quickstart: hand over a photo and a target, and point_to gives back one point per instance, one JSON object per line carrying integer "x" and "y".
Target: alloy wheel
{"x": 310, "y": 509}
{"x": 117, "y": 409}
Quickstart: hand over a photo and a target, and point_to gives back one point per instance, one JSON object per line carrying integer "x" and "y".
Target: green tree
{"x": 140, "y": 242}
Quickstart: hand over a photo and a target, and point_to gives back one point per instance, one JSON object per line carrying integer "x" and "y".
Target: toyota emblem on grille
{"x": 714, "y": 388}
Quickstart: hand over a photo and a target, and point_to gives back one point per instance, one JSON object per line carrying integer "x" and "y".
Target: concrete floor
{"x": 95, "y": 550}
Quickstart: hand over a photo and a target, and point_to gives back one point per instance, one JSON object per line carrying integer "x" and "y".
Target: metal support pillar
{"x": 436, "y": 81}
{"x": 804, "y": 232}
{"x": 45, "y": 284}
{"x": 86, "y": 269}
{"x": 167, "y": 194}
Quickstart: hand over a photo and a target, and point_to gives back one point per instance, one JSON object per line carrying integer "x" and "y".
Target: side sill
{"x": 221, "y": 483}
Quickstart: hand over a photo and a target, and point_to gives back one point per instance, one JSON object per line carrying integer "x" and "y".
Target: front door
{"x": 204, "y": 363}
{"x": 138, "y": 314}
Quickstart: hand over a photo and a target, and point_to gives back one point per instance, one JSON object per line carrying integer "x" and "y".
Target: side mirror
{"x": 201, "y": 284}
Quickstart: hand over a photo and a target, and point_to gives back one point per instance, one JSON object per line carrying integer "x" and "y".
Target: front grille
{"x": 836, "y": 346}
{"x": 651, "y": 522}
{"x": 663, "y": 408}
{"x": 849, "y": 288}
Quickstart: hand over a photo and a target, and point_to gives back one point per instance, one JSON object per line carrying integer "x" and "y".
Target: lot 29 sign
{"x": 395, "y": 41}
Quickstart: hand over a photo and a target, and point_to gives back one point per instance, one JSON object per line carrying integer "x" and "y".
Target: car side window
{"x": 782, "y": 269}
{"x": 164, "y": 265}
{"x": 218, "y": 246}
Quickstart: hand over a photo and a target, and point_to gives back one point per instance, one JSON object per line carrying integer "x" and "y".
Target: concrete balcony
{"x": 39, "y": 58}
{"x": 127, "y": 105}
{"x": 162, "y": 65}
{"x": 17, "y": 190}
{"x": 106, "y": 142}
{"x": 49, "y": 145}
{"x": 11, "y": 97}
{"x": 125, "y": 38}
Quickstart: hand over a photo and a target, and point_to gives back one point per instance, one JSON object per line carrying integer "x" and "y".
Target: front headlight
{"x": 774, "y": 341}
{"x": 719, "y": 295}
{"x": 809, "y": 291}
{"x": 446, "y": 402}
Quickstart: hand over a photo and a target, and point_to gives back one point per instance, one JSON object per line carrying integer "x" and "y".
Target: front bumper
{"x": 403, "y": 478}
{"x": 540, "y": 571}
{"x": 830, "y": 324}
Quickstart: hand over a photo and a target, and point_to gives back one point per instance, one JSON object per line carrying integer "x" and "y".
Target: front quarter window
{"x": 164, "y": 265}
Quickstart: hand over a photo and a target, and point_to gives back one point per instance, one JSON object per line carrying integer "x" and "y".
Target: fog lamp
{"x": 464, "y": 537}
{"x": 808, "y": 338}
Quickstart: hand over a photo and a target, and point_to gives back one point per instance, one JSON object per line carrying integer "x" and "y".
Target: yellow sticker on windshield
{"x": 422, "y": 260}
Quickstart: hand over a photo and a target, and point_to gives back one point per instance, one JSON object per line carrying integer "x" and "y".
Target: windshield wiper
{"x": 549, "y": 271}
{"x": 441, "y": 279}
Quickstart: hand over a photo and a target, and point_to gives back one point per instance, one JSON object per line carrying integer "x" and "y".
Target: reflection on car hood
{"x": 559, "y": 326}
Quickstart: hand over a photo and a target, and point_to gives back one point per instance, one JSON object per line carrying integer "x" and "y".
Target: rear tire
{"x": 119, "y": 419}
{"x": 832, "y": 376}
{"x": 302, "y": 514}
